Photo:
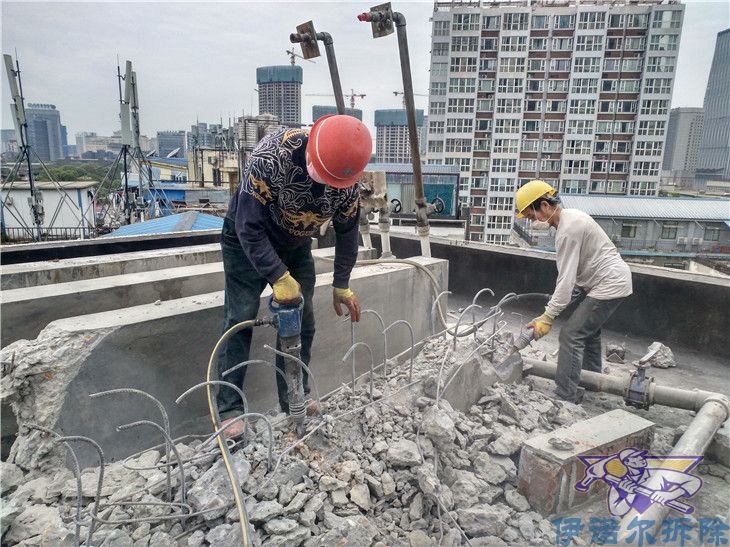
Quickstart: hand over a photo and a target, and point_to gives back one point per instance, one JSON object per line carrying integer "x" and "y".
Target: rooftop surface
{"x": 715, "y": 209}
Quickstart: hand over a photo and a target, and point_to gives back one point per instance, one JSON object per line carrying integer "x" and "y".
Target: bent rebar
{"x": 243, "y": 417}
{"x": 433, "y": 311}
{"x": 372, "y": 371}
{"x": 410, "y": 330}
{"x": 461, "y": 316}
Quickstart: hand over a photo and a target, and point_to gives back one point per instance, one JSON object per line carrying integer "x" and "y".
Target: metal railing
{"x": 29, "y": 235}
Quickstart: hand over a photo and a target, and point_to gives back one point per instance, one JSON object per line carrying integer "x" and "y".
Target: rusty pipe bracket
{"x": 381, "y": 19}
{"x": 307, "y": 38}
{"x": 639, "y": 388}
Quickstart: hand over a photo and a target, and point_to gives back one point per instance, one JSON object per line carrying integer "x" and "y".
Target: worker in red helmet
{"x": 294, "y": 182}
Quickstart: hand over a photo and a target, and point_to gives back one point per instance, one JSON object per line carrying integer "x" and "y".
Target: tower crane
{"x": 396, "y": 93}
{"x": 293, "y": 55}
{"x": 352, "y": 95}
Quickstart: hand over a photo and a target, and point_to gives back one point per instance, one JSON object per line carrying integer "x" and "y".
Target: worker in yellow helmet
{"x": 591, "y": 275}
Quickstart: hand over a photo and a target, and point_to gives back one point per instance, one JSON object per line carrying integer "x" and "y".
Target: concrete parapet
{"x": 26, "y": 311}
{"x": 164, "y": 349}
{"x": 547, "y": 475}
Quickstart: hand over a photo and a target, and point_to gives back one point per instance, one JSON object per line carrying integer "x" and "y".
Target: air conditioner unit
{"x": 697, "y": 241}
{"x": 681, "y": 241}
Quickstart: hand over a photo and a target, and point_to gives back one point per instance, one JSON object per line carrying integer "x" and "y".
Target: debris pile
{"x": 403, "y": 469}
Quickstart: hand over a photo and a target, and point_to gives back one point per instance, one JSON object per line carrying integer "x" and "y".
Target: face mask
{"x": 540, "y": 224}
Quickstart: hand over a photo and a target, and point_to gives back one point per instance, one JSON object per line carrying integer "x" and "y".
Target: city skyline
{"x": 182, "y": 81}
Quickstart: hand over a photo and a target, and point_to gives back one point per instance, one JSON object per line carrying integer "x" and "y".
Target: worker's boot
{"x": 233, "y": 431}
{"x": 312, "y": 407}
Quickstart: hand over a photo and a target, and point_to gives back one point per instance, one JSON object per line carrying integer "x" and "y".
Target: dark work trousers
{"x": 243, "y": 293}
{"x": 580, "y": 341}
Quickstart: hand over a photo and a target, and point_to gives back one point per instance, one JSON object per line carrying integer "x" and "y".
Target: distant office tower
{"x": 9, "y": 142}
{"x": 203, "y": 135}
{"x": 714, "y": 157}
{"x": 64, "y": 141}
{"x": 44, "y": 130}
{"x": 391, "y": 135}
{"x": 280, "y": 92}
{"x": 171, "y": 141}
{"x": 574, "y": 93}
{"x": 249, "y": 130}
{"x": 321, "y": 110}
{"x": 684, "y": 132}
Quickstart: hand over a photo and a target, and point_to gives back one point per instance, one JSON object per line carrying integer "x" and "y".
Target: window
{"x": 509, "y": 106}
{"x": 501, "y": 185}
{"x": 536, "y": 65}
{"x": 658, "y": 85}
{"x": 531, "y": 126}
{"x": 655, "y": 107}
{"x": 478, "y": 201}
{"x": 465, "y": 21}
{"x": 515, "y": 21}
{"x": 574, "y": 146}
{"x": 536, "y": 85}
{"x": 587, "y": 64}
{"x": 440, "y": 49}
{"x": 618, "y": 107}
{"x": 589, "y": 42}
{"x": 573, "y": 187}
{"x": 667, "y": 19}
{"x": 564, "y": 21}
{"x": 435, "y": 127}
{"x": 598, "y": 187}
{"x": 438, "y": 88}
{"x": 631, "y": 65}
{"x": 616, "y": 187}
{"x": 464, "y": 43}
{"x": 487, "y": 65}
{"x": 461, "y": 105}
{"x": 582, "y": 106}
{"x": 436, "y": 146}
{"x": 653, "y": 128}
{"x": 611, "y": 65}
{"x": 580, "y": 127}
{"x": 506, "y": 146}
{"x": 504, "y": 165}
{"x": 621, "y": 147}
{"x": 648, "y": 148}
{"x": 669, "y": 230}
{"x": 606, "y": 128}
{"x": 463, "y": 64}
{"x": 528, "y": 165}
{"x": 585, "y": 85}
{"x": 502, "y": 204}
{"x": 464, "y": 167}
{"x": 459, "y": 125}
{"x": 489, "y": 44}
{"x": 477, "y": 220}
{"x": 462, "y": 85}
{"x": 550, "y": 166}
{"x": 486, "y": 86}
{"x": 614, "y": 44}
{"x": 646, "y": 168}
{"x": 660, "y": 64}
{"x": 601, "y": 147}
{"x": 484, "y": 125}
{"x": 533, "y": 106}
{"x": 441, "y": 28}
{"x": 458, "y": 145}
{"x": 555, "y": 106}
{"x": 634, "y": 43}
{"x": 628, "y": 229}
{"x": 663, "y": 42}
{"x": 557, "y": 86}
{"x": 529, "y": 145}
{"x": 562, "y": 44}
{"x": 485, "y": 105}
{"x": 500, "y": 222}
{"x": 616, "y": 21}
{"x": 640, "y": 20}
{"x": 512, "y": 64}
{"x": 553, "y": 126}
{"x": 712, "y": 233}
{"x": 560, "y": 65}
{"x": 629, "y": 86}
{"x": 438, "y": 108}
{"x": 575, "y": 167}
{"x": 538, "y": 44}
{"x": 481, "y": 145}
{"x": 438, "y": 70}
{"x": 591, "y": 20}
{"x": 506, "y": 126}
{"x": 510, "y": 85}
{"x": 540, "y": 21}
{"x": 641, "y": 188}
{"x": 599, "y": 166}
{"x": 619, "y": 167}
{"x": 514, "y": 43}
{"x": 490, "y": 22}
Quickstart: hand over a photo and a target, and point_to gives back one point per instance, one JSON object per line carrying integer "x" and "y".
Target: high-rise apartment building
{"x": 684, "y": 132}
{"x": 574, "y": 93}
{"x": 280, "y": 92}
{"x": 391, "y": 135}
{"x": 203, "y": 135}
{"x": 714, "y": 155}
{"x": 171, "y": 141}
{"x": 44, "y": 131}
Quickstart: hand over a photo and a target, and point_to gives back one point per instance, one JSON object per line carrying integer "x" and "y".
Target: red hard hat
{"x": 338, "y": 150}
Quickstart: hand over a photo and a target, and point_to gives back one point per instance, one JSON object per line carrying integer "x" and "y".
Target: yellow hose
{"x": 243, "y": 518}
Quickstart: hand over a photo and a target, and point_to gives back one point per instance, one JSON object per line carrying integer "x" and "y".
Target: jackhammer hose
{"x": 212, "y": 407}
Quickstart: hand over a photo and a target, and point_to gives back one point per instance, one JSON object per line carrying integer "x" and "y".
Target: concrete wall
{"x": 671, "y": 306}
{"x": 28, "y": 310}
{"x": 164, "y": 349}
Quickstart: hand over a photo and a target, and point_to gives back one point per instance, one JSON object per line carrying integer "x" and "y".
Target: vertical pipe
{"x": 329, "y": 49}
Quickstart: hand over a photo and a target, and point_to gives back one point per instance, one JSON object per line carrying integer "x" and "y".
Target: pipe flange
{"x": 724, "y": 401}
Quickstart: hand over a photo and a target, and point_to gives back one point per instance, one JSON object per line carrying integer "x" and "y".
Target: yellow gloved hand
{"x": 286, "y": 290}
{"x": 348, "y": 298}
{"x": 541, "y": 325}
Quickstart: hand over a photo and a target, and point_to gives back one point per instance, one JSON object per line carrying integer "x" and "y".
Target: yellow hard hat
{"x": 529, "y": 193}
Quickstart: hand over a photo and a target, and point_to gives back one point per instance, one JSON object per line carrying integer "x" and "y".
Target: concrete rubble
{"x": 662, "y": 356}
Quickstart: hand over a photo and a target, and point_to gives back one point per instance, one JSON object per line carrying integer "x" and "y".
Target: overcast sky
{"x": 198, "y": 60}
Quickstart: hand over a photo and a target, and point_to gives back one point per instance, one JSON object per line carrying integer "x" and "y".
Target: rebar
{"x": 461, "y": 316}
{"x": 385, "y": 336}
{"x": 243, "y": 417}
{"x": 372, "y": 371}
{"x": 410, "y": 330}
{"x": 234, "y": 387}
{"x": 438, "y": 381}
{"x": 256, "y": 362}
{"x": 433, "y": 311}
{"x": 165, "y": 424}
{"x": 183, "y": 506}
{"x": 301, "y": 364}
{"x": 77, "y": 475}
{"x": 474, "y": 301}
{"x": 183, "y": 493}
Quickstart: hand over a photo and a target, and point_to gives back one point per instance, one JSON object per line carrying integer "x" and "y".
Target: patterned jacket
{"x": 278, "y": 207}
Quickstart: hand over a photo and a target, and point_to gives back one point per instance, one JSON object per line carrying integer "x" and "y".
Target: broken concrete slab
{"x": 661, "y": 356}
{"x": 547, "y": 474}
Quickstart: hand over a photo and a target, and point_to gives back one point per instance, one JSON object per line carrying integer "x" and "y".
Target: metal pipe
{"x": 365, "y": 229}
{"x": 384, "y": 227}
{"x": 410, "y": 330}
{"x": 372, "y": 372}
{"x": 329, "y": 49}
{"x": 699, "y": 434}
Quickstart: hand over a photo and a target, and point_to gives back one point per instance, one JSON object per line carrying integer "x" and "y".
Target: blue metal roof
{"x": 176, "y": 162}
{"x": 649, "y": 207}
{"x": 407, "y": 168}
{"x": 189, "y": 221}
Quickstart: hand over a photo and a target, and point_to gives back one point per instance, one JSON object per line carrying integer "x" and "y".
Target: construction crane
{"x": 396, "y": 93}
{"x": 352, "y": 95}
{"x": 292, "y": 57}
